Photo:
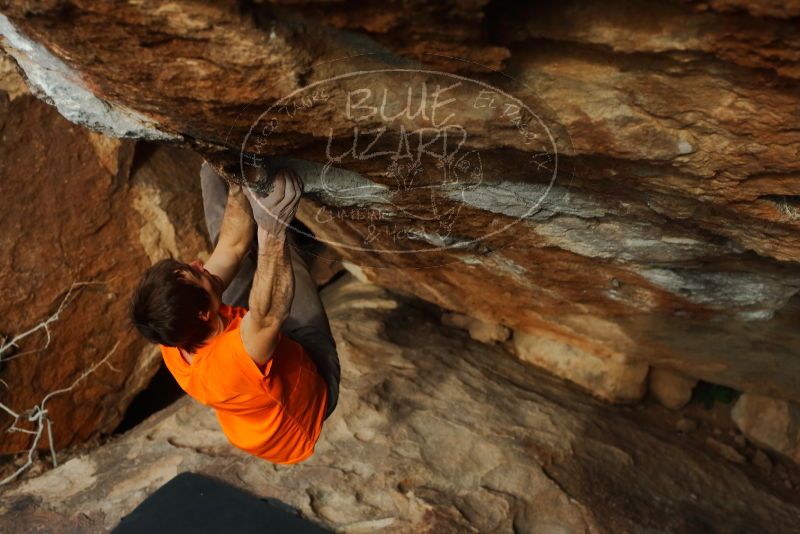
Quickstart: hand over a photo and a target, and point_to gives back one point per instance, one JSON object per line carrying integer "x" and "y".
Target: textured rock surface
{"x": 69, "y": 203}
{"x": 522, "y": 453}
{"x": 670, "y": 235}
{"x": 770, "y": 423}
{"x": 478, "y": 330}
{"x": 671, "y": 389}
{"x": 610, "y": 380}
{"x": 11, "y": 82}
{"x": 165, "y": 192}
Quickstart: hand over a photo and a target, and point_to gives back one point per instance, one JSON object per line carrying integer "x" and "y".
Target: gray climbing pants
{"x": 307, "y": 322}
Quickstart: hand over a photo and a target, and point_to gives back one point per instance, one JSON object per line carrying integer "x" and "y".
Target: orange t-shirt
{"x": 276, "y": 414}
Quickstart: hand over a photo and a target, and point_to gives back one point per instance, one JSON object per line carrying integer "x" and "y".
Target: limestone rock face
{"x": 434, "y": 432}
{"x": 770, "y": 423}
{"x": 77, "y": 207}
{"x": 626, "y": 188}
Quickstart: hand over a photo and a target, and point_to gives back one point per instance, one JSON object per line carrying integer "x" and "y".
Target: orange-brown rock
{"x": 434, "y": 432}
{"x": 770, "y": 423}
{"x": 639, "y": 206}
{"x": 74, "y": 210}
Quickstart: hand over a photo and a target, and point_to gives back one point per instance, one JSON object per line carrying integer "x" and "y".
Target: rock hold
{"x": 672, "y": 389}
{"x": 771, "y": 423}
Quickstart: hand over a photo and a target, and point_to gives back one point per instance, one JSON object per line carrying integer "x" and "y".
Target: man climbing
{"x": 271, "y": 372}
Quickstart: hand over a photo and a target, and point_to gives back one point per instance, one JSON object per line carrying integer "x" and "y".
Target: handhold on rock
{"x": 245, "y": 170}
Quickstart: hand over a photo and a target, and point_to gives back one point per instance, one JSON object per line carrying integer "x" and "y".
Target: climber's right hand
{"x": 274, "y": 212}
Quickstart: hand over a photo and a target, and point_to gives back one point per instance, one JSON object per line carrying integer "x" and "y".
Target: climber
{"x": 271, "y": 372}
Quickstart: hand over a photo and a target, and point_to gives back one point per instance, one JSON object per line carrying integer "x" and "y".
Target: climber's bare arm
{"x": 235, "y": 236}
{"x": 273, "y": 283}
{"x": 270, "y": 297}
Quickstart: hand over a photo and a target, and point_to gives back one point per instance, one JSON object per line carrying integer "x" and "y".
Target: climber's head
{"x": 177, "y": 304}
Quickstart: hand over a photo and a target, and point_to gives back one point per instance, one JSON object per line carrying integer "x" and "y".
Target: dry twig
{"x": 38, "y": 413}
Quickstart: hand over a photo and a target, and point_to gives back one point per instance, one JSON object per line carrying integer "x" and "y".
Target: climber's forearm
{"x": 236, "y": 231}
{"x": 273, "y": 283}
{"x": 235, "y": 236}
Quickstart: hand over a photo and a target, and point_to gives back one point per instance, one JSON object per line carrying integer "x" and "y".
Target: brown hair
{"x": 165, "y": 307}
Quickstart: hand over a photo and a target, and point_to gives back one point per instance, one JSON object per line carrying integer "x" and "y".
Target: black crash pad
{"x": 197, "y": 504}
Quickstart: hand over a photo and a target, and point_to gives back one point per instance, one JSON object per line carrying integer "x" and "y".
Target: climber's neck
{"x": 221, "y": 324}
